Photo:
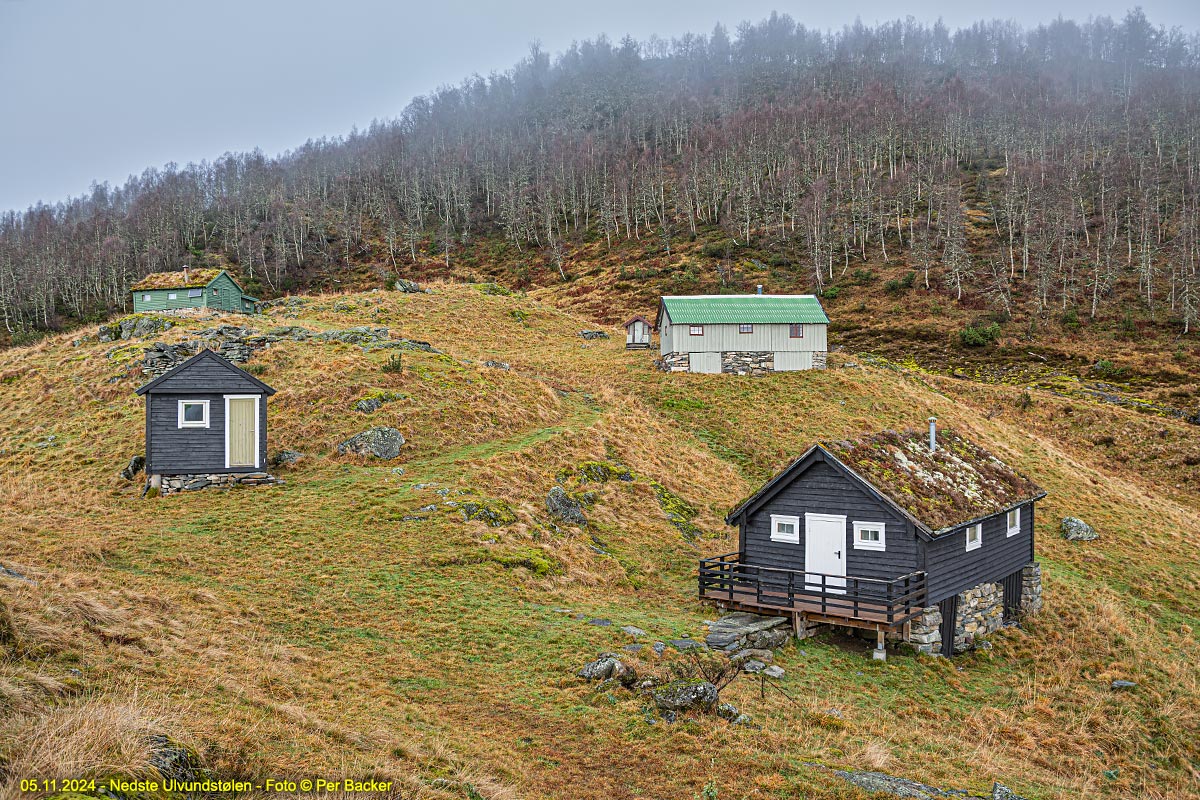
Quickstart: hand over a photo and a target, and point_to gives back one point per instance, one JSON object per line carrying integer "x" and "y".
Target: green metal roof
{"x": 733, "y": 309}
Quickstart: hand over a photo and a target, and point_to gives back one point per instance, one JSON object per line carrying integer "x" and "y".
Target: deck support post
{"x": 879, "y": 653}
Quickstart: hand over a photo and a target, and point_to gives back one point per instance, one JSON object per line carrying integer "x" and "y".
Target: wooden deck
{"x": 839, "y": 600}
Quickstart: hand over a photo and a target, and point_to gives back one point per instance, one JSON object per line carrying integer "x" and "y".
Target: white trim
{"x": 172, "y": 295}
{"x": 861, "y": 544}
{"x": 204, "y": 423}
{"x": 1013, "y": 530}
{"x": 978, "y": 543}
{"x": 195, "y": 293}
{"x": 836, "y": 583}
{"x": 794, "y": 537}
{"x": 255, "y": 398}
{"x": 146, "y": 298}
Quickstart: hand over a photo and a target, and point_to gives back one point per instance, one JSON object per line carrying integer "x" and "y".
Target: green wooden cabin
{"x": 191, "y": 288}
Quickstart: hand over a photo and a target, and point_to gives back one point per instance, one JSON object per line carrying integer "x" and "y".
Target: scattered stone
{"x": 753, "y": 666}
{"x": 742, "y": 630}
{"x": 561, "y": 610}
{"x": 728, "y": 711}
{"x": 360, "y": 335}
{"x": 608, "y": 666}
{"x": 659, "y": 648}
{"x": 135, "y": 326}
{"x": 773, "y": 671}
{"x": 1002, "y": 792}
{"x": 766, "y": 656}
{"x": 593, "y": 335}
{"x": 685, "y": 644}
{"x": 397, "y": 470}
{"x": 1121, "y": 684}
{"x": 603, "y": 623}
{"x": 374, "y": 401}
{"x": 633, "y": 631}
{"x": 49, "y": 441}
{"x": 686, "y": 695}
{"x": 382, "y": 442}
{"x": 9, "y": 572}
{"x": 285, "y": 458}
{"x": 492, "y": 513}
{"x": 497, "y": 365}
{"x": 633, "y": 648}
{"x": 136, "y": 465}
{"x": 564, "y": 507}
{"x": 175, "y": 762}
{"x": 833, "y": 712}
{"x": 407, "y": 286}
{"x": 1076, "y": 530}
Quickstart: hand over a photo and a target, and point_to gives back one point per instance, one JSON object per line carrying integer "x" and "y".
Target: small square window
{"x": 796, "y": 331}
{"x": 1014, "y": 522}
{"x": 785, "y": 529}
{"x": 696, "y": 330}
{"x": 745, "y": 329}
{"x": 216, "y": 292}
{"x": 195, "y": 292}
{"x": 869, "y": 536}
{"x": 193, "y": 413}
{"x": 172, "y": 296}
{"x": 974, "y": 537}
{"x": 145, "y": 298}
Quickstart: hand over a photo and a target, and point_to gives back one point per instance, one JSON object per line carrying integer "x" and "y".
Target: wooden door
{"x": 242, "y": 433}
{"x": 709, "y": 363}
{"x": 825, "y": 552}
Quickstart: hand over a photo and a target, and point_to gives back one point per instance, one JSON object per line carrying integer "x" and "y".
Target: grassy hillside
{"x": 353, "y": 622}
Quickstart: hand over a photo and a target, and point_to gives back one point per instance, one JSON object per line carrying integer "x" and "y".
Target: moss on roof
{"x": 956, "y": 483}
{"x": 196, "y": 279}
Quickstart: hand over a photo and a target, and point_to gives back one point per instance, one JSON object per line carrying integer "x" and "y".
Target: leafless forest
{"x": 1073, "y": 147}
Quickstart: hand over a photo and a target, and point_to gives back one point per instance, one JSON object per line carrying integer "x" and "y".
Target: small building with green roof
{"x": 742, "y": 334}
{"x": 166, "y": 292}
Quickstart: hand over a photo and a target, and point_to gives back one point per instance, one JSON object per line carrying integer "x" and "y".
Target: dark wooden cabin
{"x": 893, "y": 532}
{"x": 206, "y": 417}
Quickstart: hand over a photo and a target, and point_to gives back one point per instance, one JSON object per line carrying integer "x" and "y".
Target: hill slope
{"x": 353, "y": 622}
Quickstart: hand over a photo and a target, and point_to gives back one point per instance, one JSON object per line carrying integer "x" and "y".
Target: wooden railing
{"x": 888, "y": 602}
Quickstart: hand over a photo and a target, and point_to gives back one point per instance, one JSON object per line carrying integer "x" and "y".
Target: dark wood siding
{"x": 952, "y": 569}
{"x": 172, "y": 450}
{"x": 208, "y": 376}
{"x": 824, "y": 489}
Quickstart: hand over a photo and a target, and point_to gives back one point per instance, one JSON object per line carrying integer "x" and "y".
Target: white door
{"x": 704, "y": 362}
{"x": 825, "y": 552}
{"x": 792, "y": 360}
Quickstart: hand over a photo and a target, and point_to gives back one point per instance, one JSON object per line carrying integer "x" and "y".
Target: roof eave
{"x": 951, "y": 528}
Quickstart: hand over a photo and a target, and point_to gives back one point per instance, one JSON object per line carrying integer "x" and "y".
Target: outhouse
{"x": 206, "y": 425}
{"x": 637, "y": 333}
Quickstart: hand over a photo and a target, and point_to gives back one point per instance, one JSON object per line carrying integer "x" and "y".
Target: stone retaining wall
{"x": 1031, "y": 588}
{"x": 675, "y": 362}
{"x": 820, "y": 359}
{"x": 173, "y": 484}
{"x": 980, "y": 612}
{"x": 739, "y": 362}
{"x": 925, "y": 632}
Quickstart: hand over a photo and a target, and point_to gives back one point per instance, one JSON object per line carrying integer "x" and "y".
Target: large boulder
{"x": 382, "y": 442}
{"x": 743, "y": 630}
{"x": 564, "y": 507}
{"x": 686, "y": 695}
{"x": 136, "y": 465}
{"x": 285, "y": 458}
{"x": 609, "y": 667}
{"x": 137, "y": 325}
{"x": 1076, "y": 530}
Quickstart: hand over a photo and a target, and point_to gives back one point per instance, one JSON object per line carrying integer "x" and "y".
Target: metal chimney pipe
{"x": 932, "y": 434}
{"x": 760, "y": 288}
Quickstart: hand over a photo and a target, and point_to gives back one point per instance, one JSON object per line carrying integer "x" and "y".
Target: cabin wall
{"x": 823, "y": 489}
{"x": 207, "y": 375}
{"x": 160, "y": 300}
{"x": 952, "y": 568}
{"x": 726, "y": 338}
{"x": 228, "y": 296}
{"x": 171, "y": 450}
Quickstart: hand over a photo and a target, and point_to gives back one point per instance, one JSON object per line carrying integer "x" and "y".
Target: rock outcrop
{"x": 1076, "y": 530}
{"x": 382, "y": 442}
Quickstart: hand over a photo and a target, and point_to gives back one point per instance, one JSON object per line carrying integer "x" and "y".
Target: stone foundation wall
{"x": 675, "y": 362}
{"x": 925, "y": 632}
{"x": 820, "y": 359}
{"x": 1031, "y": 588}
{"x": 980, "y": 612}
{"x": 173, "y": 484}
{"x": 739, "y": 362}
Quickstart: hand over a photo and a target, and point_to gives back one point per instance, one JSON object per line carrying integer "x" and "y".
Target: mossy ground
{"x": 313, "y": 628}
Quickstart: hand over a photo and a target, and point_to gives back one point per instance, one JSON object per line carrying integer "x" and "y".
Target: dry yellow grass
{"x": 311, "y": 628}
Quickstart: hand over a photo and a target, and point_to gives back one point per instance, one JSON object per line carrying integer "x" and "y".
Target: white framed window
{"x": 745, "y": 329}
{"x": 195, "y": 292}
{"x": 145, "y": 298}
{"x": 869, "y": 536}
{"x": 785, "y": 529}
{"x": 796, "y": 331}
{"x": 1014, "y": 521}
{"x": 216, "y": 292}
{"x": 974, "y": 536}
{"x": 193, "y": 413}
{"x": 696, "y": 330}
{"x": 172, "y": 296}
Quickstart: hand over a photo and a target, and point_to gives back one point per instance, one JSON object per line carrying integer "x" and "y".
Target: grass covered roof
{"x": 184, "y": 279}
{"x": 943, "y": 488}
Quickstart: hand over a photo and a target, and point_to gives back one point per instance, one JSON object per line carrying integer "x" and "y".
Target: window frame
{"x": 172, "y": 295}
{"x": 795, "y": 330}
{"x": 776, "y": 536}
{"x": 695, "y": 330}
{"x": 185, "y": 423}
{"x": 978, "y": 543}
{"x": 193, "y": 293}
{"x": 745, "y": 328}
{"x": 216, "y": 291}
{"x": 146, "y": 297}
{"x": 1013, "y": 530}
{"x": 868, "y": 544}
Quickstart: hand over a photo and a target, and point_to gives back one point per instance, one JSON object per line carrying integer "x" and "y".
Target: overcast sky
{"x": 98, "y": 89}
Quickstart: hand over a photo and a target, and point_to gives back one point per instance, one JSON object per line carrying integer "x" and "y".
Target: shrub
{"x": 979, "y": 336}
{"x": 864, "y": 276}
{"x": 831, "y": 292}
{"x": 394, "y": 364}
{"x": 1070, "y": 319}
{"x": 1107, "y": 369}
{"x": 898, "y": 285}
{"x": 1024, "y": 401}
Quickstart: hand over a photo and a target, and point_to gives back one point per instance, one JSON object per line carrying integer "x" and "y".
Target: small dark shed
{"x": 206, "y": 424}
{"x": 929, "y": 539}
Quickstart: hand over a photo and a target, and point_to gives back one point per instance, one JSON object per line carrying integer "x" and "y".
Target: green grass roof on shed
{"x": 734, "y": 309}
{"x": 195, "y": 279}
